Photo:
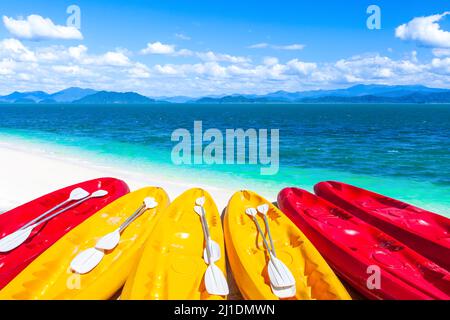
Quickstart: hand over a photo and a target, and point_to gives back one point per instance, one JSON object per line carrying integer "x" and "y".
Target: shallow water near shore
{"x": 402, "y": 151}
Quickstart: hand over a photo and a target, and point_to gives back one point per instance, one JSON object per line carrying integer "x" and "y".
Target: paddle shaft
{"x": 44, "y": 214}
{"x": 133, "y": 217}
{"x": 262, "y": 234}
{"x": 265, "y": 242}
{"x": 59, "y": 212}
{"x": 266, "y": 222}
{"x": 205, "y": 228}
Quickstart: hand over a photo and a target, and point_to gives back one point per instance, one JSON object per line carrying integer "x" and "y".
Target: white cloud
{"x": 77, "y": 52}
{"x": 425, "y": 31}
{"x": 13, "y": 47}
{"x": 139, "y": 70}
{"x": 441, "y": 52}
{"x": 7, "y": 67}
{"x": 158, "y": 48}
{"x": 182, "y": 36}
{"x": 441, "y": 65}
{"x": 259, "y": 45}
{"x": 212, "y": 56}
{"x": 35, "y": 27}
{"x": 113, "y": 58}
{"x": 301, "y": 67}
{"x": 165, "y": 49}
{"x": 183, "y": 53}
{"x": 167, "y": 69}
{"x": 51, "y": 68}
{"x": 294, "y": 46}
{"x": 270, "y": 61}
{"x": 73, "y": 70}
{"x": 290, "y": 47}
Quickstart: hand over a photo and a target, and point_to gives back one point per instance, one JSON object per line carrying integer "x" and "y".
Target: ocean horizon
{"x": 402, "y": 151}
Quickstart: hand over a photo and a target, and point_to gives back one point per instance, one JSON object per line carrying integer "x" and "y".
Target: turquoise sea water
{"x": 400, "y": 150}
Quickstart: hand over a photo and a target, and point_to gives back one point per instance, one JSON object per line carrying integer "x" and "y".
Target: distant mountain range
{"x": 355, "y": 94}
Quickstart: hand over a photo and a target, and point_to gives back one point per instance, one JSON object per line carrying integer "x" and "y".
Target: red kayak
{"x": 43, "y": 236}
{"x": 360, "y": 253}
{"x": 424, "y": 231}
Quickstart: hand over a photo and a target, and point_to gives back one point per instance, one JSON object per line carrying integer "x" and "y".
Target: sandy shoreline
{"x": 27, "y": 175}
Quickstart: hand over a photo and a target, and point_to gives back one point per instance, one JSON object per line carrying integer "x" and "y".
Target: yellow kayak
{"x": 172, "y": 265}
{"x": 50, "y": 276}
{"x": 248, "y": 257}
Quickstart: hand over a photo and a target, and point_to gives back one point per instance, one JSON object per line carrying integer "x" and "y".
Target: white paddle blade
{"x": 215, "y": 281}
{"x": 99, "y": 194}
{"x": 198, "y": 210}
{"x": 251, "y": 212}
{"x": 200, "y": 201}
{"x": 279, "y": 274}
{"x": 214, "y": 248}
{"x": 78, "y": 194}
{"x": 263, "y": 209}
{"x": 109, "y": 242}
{"x": 15, "y": 239}
{"x": 284, "y": 293}
{"x": 86, "y": 260}
{"x": 150, "y": 203}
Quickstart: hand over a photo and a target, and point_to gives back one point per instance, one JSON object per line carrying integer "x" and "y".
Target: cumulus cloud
{"x": 15, "y": 48}
{"x": 441, "y": 65}
{"x": 158, "y": 48}
{"x": 50, "y": 67}
{"x": 212, "y": 56}
{"x": 270, "y": 61}
{"x": 291, "y": 47}
{"x": 165, "y": 49}
{"x": 302, "y": 67}
{"x": 207, "y": 56}
{"x": 425, "y": 31}
{"x": 35, "y": 27}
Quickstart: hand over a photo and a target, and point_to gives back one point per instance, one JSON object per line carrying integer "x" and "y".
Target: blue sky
{"x": 217, "y": 47}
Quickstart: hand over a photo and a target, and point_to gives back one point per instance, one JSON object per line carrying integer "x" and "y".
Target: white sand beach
{"x": 26, "y": 175}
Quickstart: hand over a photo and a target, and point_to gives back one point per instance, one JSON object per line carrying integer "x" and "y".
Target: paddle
{"x": 280, "y": 276}
{"x": 18, "y": 237}
{"x": 215, "y": 281}
{"x": 76, "y": 194}
{"x": 88, "y": 259}
{"x": 263, "y": 209}
{"x": 213, "y": 246}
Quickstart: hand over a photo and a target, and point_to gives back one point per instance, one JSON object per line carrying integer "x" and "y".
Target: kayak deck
{"x": 352, "y": 247}
{"x": 42, "y": 237}
{"x": 424, "y": 231}
{"x": 172, "y": 265}
{"x": 49, "y": 277}
{"x": 248, "y": 257}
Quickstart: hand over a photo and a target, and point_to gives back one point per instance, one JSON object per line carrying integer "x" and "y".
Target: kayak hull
{"x": 371, "y": 261}
{"x": 62, "y": 283}
{"x": 424, "y": 231}
{"x": 171, "y": 266}
{"x": 42, "y": 237}
{"x": 248, "y": 258}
